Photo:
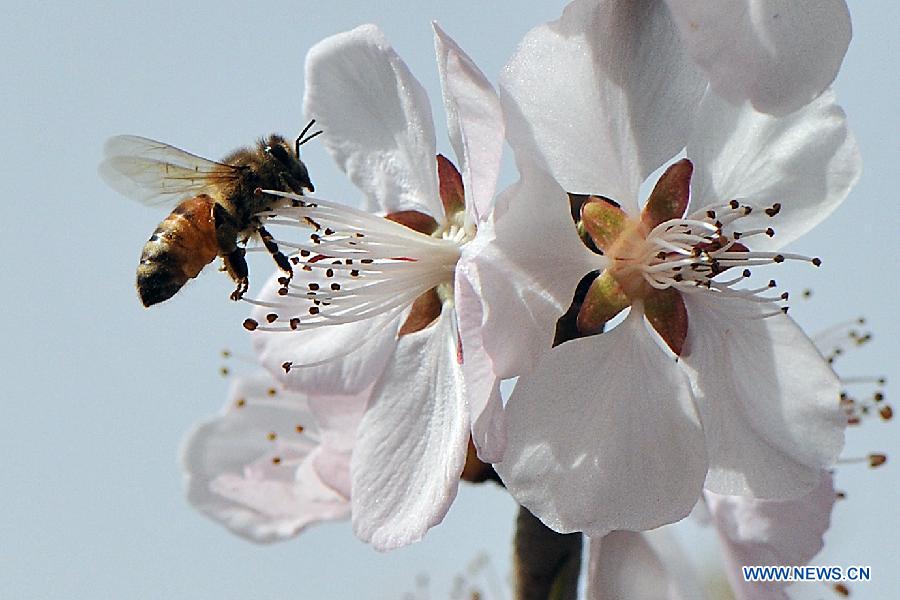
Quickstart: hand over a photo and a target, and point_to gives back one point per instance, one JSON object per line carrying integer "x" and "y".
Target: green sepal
{"x": 604, "y": 300}
{"x": 603, "y": 220}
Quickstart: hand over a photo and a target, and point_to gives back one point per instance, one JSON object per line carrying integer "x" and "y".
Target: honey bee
{"x": 217, "y": 210}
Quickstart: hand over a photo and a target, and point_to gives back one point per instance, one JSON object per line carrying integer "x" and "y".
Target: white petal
{"x": 603, "y": 97}
{"x": 412, "y": 441}
{"x": 376, "y": 118}
{"x": 768, "y": 401}
{"x": 603, "y": 436}
{"x": 475, "y": 122}
{"x": 526, "y": 267}
{"x": 482, "y": 386}
{"x": 770, "y": 532}
{"x": 230, "y": 475}
{"x": 333, "y": 468}
{"x": 345, "y": 358}
{"x": 338, "y": 417}
{"x": 806, "y": 161}
{"x": 780, "y": 54}
{"x": 628, "y": 565}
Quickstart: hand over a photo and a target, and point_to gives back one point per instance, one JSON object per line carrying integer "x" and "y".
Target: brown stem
{"x": 547, "y": 563}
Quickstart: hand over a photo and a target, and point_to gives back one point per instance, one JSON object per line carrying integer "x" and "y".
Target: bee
{"x": 218, "y": 206}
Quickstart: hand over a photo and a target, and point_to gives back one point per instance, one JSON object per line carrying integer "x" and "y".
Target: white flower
{"x": 374, "y": 299}
{"x": 616, "y": 431}
{"x": 266, "y": 468}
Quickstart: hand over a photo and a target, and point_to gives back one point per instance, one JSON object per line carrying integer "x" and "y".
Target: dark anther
{"x": 271, "y": 317}
{"x": 250, "y": 324}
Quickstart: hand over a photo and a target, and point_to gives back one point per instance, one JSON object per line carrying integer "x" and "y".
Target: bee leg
{"x": 236, "y": 266}
{"x": 232, "y": 254}
{"x": 277, "y": 255}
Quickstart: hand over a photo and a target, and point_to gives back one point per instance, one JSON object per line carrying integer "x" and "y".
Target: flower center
{"x": 652, "y": 259}
{"x": 355, "y": 265}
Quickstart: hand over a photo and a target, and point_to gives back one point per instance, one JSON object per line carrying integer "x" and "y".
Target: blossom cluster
{"x": 656, "y": 367}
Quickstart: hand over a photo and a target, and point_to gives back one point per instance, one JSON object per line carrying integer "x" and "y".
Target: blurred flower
{"x": 374, "y": 303}
{"x": 266, "y": 468}
{"x": 617, "y": 431}
{"x": 653, "y": 566}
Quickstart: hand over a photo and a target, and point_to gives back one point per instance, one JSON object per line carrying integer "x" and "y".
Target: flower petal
{"x": 411, "y": 444}
{"x": 603, "y": 435}
{"x": 474, "y": 119}
{"x": 346, "y": 358}
{"x": 602, "y": 97}
{"x": 770, "y": 532}
{"x": 646, "y": 566}
{"x": 768, "y": 401}
{"x": 622, "y": 564}
{"x": 778, "y": 54}
{"x": 529, "y": 262}
{"x": 806, "y": 161}
{"x": 482, "y": 385}
{"x": 230, "y": 475}
{"x": 376, "y": 118}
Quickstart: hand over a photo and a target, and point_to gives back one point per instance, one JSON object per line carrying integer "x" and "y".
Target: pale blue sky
{"x": 100, "y": 391}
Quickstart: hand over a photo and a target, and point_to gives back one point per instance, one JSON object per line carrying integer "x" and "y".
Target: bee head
{"x": 291, "y": 168}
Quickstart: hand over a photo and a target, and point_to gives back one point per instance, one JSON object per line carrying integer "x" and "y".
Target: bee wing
{"x": 154, "y": 173}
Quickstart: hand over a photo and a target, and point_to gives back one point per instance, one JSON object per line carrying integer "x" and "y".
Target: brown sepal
{"x": 453, "y": 195}
{"x": 669, "y": 198}
{"x": 603, "y": 220}
{"x": 475, "y": 471}
{"x": 415, "y": 220}
{"x": 666, "y": 312}
{"x": 604, "y": 300}
{"x": 425, "y": 310}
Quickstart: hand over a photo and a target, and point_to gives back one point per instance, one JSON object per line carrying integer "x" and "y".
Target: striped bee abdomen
{"x": 181, "y": 246}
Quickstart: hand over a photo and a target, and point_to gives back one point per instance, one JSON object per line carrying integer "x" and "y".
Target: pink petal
{"x": 603, "y": 435}
{"x": 376, "y": 118}
{"x": 481, "y": 382}
{"x": 412, "y": 441}
{"x": 474, "y": 120}
{"x": 807, "y": 162}
{"x": 778, "y": 54}
{"x": 768, "y": 401}
{"x": 770, "y": 532}
{"x": 640, "y": 566}
{"x": 230, "y": 475}
{"x": 526, "y": 266}
{"x": 345, "y": 358}
{"x": 602, "y": 97}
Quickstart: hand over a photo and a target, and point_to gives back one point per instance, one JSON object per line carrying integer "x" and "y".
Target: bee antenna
{"x": 301, "y": 140}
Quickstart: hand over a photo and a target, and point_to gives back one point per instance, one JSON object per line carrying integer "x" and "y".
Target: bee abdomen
{"x": 181, "y": 246}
